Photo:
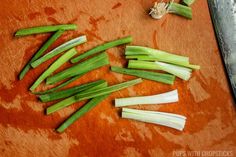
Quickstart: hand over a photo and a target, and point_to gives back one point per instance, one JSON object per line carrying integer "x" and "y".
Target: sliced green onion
{"x": 68, "y": 92}
{"x": 155, "y": 76}
{"x": 162, "y": 118}
{"x": 181, "y": 72}
{"x": 69, "y": 101}
{"x": 167, "y": 97}
{"x": 150, "y": 58}
{"x": 83, "y": 67}
{"x": 44, "y": 29}
{"x": 80, "y": 112}
{"x": 59, "y": 86}
{"x": 158, "y": 54}
{"x": 66, "y": 46}
{"x": 45, "y": 46}
{"x": 106, "y": 90}
{"x": 180, "y": 10}
{"x": 60, "y": 61}
{"x": 101, "y": 48}
{"x": 188, "y": 2}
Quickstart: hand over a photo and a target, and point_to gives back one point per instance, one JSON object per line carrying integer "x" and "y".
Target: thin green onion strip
{"x": 80, "y": 112}
{"x": 60, "y": 61}
{"x": 179, "y": 9}
{"x": 44, "y": 29}
{"x": 102, "y": 47}
{"x": 45, "y": 46}
{"x": 66, "y": 46}
{"x": 68, "y": 92}
{"x": 69, "y": 101}
{"x": 168, "y": 97}
{"x": 188, "y": 2}
{"x": 83, "y": 67}
{"x": 181, "y": 72}
{"x": 155, "y": 76}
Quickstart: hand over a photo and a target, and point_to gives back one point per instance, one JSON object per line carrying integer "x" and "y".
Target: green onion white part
{"x": 167, "y": 97}
{"x": 162, "y": 118}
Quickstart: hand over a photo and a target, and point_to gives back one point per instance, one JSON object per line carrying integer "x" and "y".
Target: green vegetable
{"x": 83, "y": 67}
{"x": 155, "y": 76}
{"x": 66, "y": 46}
{"x": 106, "y": 90}
{"x": 68, "y": 101}
{"x": 45, "y": 46}
{"x": 59, "y": 86}
{"x": 101, "y": 48}
{"x": 80, "y": 112}
{"x": 68, "y": 92}
{"x": 44, "y": 29}
{"x": 181, "y": 72}
{"x": 64, "y": 58}
{"x": 157, "y": 54}
{"x": 188, "y": 2}
{"x": 180, "y": 10}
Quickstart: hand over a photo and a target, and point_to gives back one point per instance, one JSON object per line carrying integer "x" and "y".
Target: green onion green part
{"x": 101, "y": 48}
{"x": 155, "y": 76}
{"x": 188, "y": 2}
{"x": 181, "y": 72}
{"x": 69, "y": 101}
{"x": 168, "y": 97}
{"x": 80, "y": 112}
{"x": 83, "y": 67}
{"x": 45, "y": 46}
{"x": 68, "y": 92}
{"x": 66, "y": 46}
{"x": 60, "y": 61}
{"x": 179, "y": 9}
{"x": 44, "y": 29}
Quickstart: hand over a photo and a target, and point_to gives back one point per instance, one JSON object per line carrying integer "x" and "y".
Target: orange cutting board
{"x": 206, "y": 100}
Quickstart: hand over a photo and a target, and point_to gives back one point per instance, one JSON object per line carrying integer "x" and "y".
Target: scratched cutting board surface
{"x": 205, "y": 99}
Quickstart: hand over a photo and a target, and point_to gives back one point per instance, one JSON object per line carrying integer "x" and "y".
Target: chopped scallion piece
{"x": 181, "y": 72}
{"x": 66, "y": 46}
{"x": 60, "y": 61}
{"x": 44, "y": 29}
{"x": 179, "y": 9}
{"x": 168, "y": 97}
{"x": 101, "y": 48}
{"x": 80, "y": 112}
{"x": 45, "y": 46}
{"x": 188, "y": 2}
{"x": 68, "y": 92}
{"x": 155, "y": 76}
{"x": 83, "y": 67}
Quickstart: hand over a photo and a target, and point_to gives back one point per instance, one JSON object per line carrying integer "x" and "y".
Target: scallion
{"x": 188, "y": 2}
{"x": 44, "y": 29}
{"x": 66, "y": 46}
{"x": 179, "y": 9}
{"x": 101, "y": 48}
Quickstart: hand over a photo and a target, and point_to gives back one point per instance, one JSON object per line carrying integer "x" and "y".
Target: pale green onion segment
{"x": 162, "y": 118}
{"x": 167, "y": 97}
{"x": 188, "y": 2}
{"x": 60, "y": 61}
{"x": 181, "y": 10}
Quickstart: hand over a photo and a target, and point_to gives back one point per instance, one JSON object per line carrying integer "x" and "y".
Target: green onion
{"x": 68, "y": 101}
{"x": 101, "y": 48}
{"x": 150, "y": 58}
{"x": 45, "y": 46}
{"x": 167, "y": 97}
{"x": 83, "y": 67}
{"x": 68, "y": 92}
{"x": 106, "y": 90}
{"x": 180, "y": 10}
{"x": 64, "y": 58}
{"x": 155, "y": 76}
{"x": 59, "y": 86}
{"x": 181, "y": 72}
{"x": 158, "y": 54}
{"x": 162, "y": 118}
{"x": 80, "y": 112}
{"x": 66, "y": 46}
{"x": 44, "y": 29}
{"x": 188, "y": 2}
